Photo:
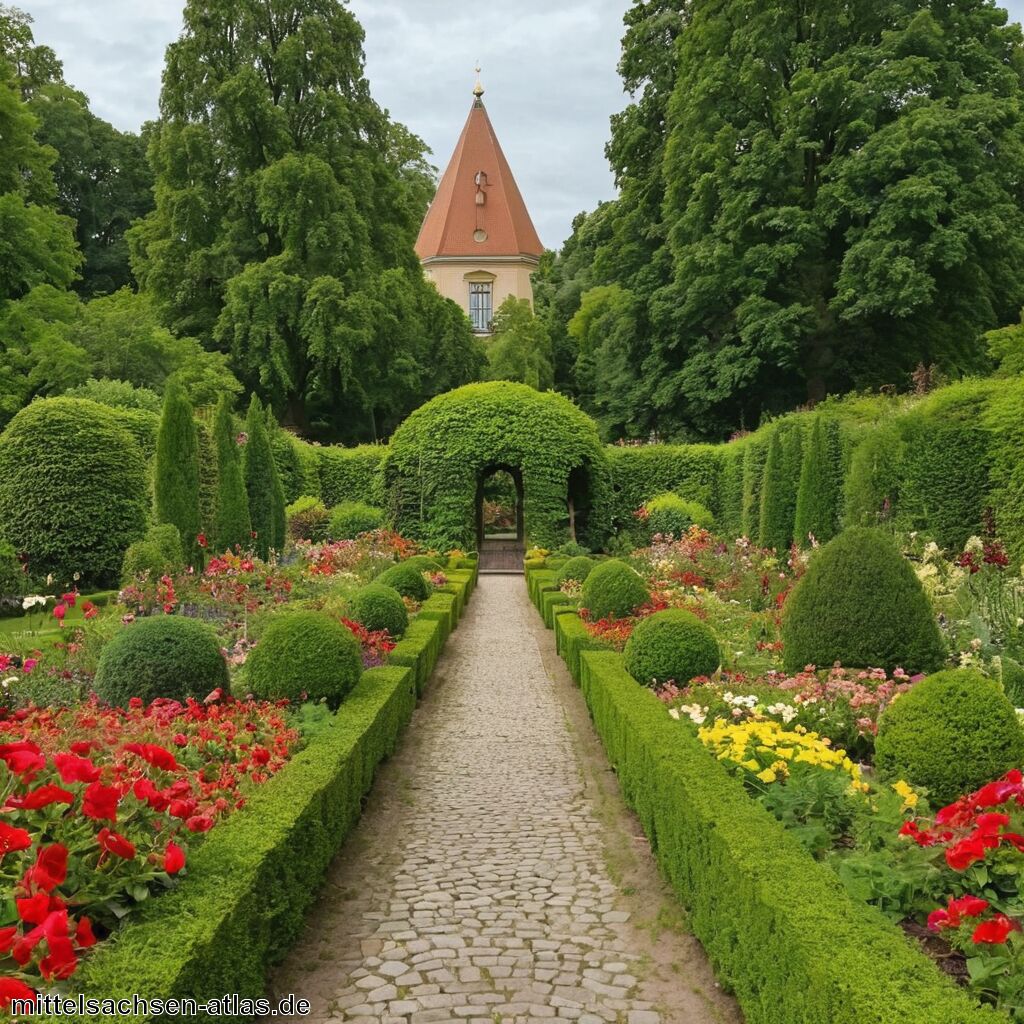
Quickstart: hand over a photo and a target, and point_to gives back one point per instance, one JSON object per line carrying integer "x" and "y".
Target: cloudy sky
{"x": 548, "y": 70}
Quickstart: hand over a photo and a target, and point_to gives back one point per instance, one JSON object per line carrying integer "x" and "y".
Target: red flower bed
{"x": 97, "y": 806}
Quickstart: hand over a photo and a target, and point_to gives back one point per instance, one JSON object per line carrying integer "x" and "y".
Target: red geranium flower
{"x": 73, "y": 768}
{"x": 995, "y": 931}
{"x": 115, "y": 843}
{"x": 36, "y": 799}
{"x": 50, "y": 868}
{"x": 155, "y": 755}
{"x": 13, "y": 839}
{"x": 11, "y": 989}
{"x": 100, "y": 802}
{"x": 174, "y": 858}
{"x": 84, "y": 937}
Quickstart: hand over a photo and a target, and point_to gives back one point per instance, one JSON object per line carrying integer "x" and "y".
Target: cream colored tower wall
{"x": 452, "y": 279}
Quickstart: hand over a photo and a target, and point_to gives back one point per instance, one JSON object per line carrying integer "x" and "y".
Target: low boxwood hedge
{"x": 420, "y": 648}
{"x": 778, "y": 926}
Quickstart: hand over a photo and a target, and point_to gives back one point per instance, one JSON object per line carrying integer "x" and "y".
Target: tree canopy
{"x": 812, "y": 198}
{"x": 287, "y": 203}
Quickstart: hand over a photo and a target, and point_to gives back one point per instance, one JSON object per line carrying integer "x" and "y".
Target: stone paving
{"x": 496, "y": 876}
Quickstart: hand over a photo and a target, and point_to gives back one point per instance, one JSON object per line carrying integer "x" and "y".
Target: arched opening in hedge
{"x": 499, "y": 504}
{"x": 431, "y": 476}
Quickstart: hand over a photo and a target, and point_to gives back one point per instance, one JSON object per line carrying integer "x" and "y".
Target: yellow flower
{"x": 904, "y": 790}
{"x": 767, "y": 775}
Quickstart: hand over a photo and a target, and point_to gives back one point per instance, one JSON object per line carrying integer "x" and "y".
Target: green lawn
{"x": 26, "y": 633}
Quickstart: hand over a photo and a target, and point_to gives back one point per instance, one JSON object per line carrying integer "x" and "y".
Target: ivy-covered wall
{"x": 438, "y": 455}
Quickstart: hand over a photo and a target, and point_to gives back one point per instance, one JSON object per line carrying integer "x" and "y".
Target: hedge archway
{"x": 436, "y": 457}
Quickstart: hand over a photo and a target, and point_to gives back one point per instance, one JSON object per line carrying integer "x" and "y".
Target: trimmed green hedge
{"x": 348, "y": 474}
{"x": 572, "y": 639}
{"x": 640, "y": 473}
{"x": 420, "y": 648}
{"x": 440, "y": 606}
{"x": 779, "y": 927}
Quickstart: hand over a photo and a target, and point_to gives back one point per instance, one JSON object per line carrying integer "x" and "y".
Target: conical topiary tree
{"x": 176, "y": 470}
{"x": 778, "y": 492}
{"x": 262, "y": 483}
{"x": 231, "y": 521}
{"x": 819, "y": 493}
{"x": 280, "y": 501}
{"x": 860, "y": 604}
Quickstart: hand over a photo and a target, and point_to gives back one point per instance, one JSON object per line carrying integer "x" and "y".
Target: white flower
{"x": 674, "y": 712}
{"x": 5, "y": 683}
{"x": 35, "y": 599}
{"x": 974, "y": 544}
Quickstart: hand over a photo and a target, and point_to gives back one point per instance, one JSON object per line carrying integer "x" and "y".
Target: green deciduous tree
{"x": 262, "y": 483}
{"x": 231, "y": 522}
{"x": 176, "y": 469}
{"x": 520, "y": 348}
{"x": 283, "y": 195}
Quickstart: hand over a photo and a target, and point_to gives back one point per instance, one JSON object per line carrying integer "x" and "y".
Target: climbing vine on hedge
{"x": 436, "y": 457}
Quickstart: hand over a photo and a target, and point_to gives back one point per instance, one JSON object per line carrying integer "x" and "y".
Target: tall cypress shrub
{"x": 176, "y": 471}
{"x": 280, "y": 500}
{"x": 778, "y": 492}
{"x": 231, "y": 518}
{"x": 818, "y": 496}
{"x": 754, "y": 458}
{"x": 262, "y": 483}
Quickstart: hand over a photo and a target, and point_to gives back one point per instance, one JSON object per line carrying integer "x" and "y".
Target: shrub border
{"x": 253, "y": 878}
{"x": 778, "y": 926}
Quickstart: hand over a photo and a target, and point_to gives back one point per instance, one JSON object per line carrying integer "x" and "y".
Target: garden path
{"x": 497, "y": 875}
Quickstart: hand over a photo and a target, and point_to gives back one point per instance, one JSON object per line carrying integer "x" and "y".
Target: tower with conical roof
{"x": 477, "y": 242}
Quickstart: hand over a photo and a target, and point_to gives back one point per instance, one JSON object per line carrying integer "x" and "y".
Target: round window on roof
{"x": 479, "y": 235}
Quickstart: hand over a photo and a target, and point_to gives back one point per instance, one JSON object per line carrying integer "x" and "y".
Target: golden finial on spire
{"x": 478, "y": 89}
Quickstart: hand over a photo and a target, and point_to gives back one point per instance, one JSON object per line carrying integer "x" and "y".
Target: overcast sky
{"x": 549, "y": 70}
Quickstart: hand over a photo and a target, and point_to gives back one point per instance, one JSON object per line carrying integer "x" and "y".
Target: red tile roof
{"x": 455, "y": 218}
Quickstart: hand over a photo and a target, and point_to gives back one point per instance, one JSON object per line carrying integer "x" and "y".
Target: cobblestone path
{"x": 496, "y": 876}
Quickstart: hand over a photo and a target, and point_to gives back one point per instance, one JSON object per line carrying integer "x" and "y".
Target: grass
{"x": 26, "y": 633}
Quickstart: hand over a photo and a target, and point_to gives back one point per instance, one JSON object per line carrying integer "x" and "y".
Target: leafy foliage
{"x": 162, "y": 656}
{"x": 520, "y": 347}
{"x": 577, "y": 568}
{"x": 73, "y": 489}
{"x": 670, "y": 513}
{"x": 671, "y": 646}
{"x": 950, "y": 734}
{"x": 352, "y": 518}
{"x": 305, "y": 654}
{"x": 307, "y": 519}
{"x": 861, "y": 605}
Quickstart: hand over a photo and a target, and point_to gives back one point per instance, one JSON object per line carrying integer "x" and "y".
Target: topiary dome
{"x": 951, "y": 734}
{"x": 577, "y": 568}
{"x": 861, "y": 605}
{"x": 377, "y": 606}
{"x": 73, "y": 489}
{"x": 407, "y": 580}
{"x": 305, "y": 654}
{"x": 671, "y": 646}
{"x": 163, "y": 656}
{"x": 437, "y": 457}
{"x": 613, "y": 590}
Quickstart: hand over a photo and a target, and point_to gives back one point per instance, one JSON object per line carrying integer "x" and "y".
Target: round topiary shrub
{"x": 377, "y": 606}
{"x": 578, "y": 568}
{"x": 305, "y": 655}
{"x": 861, "y": 605}
{"x": 673, "y": 645}
{"x": 353, "y": 518}
{"x": 669, "y": 513}
{"x": 73, "y": 490}
{"x": 613, "y": 590}
{"x": 163, "y": 656}
{"x": 407, "y": 580}
{"x": 951, "y": 734}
